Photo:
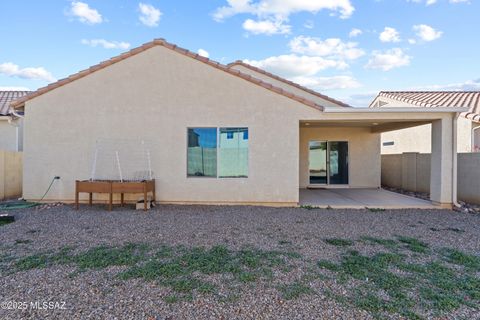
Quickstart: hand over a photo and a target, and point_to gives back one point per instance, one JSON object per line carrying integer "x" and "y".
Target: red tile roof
{"x": 291, "y": 83}
{"x": 432, "y": 99}
{"x": 161, "y": 42}
{"x": 6, "y": 97}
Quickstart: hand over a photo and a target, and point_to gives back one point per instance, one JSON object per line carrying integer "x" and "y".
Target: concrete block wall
{"x": 411, "y": 171}
{"x": 10, "y": 174}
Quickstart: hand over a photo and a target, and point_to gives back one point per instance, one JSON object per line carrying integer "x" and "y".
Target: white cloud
{"x": 292, "y": 65}
{"x": 268, "y": 27}
{"x": 12, "y": 70}
{"x": 412, "y": 41}
{"x": 427, "y": 33}
{"x": 334, "y": 48}
{"x": 282, "y": 8}
{"x": 14, "y": 89}
{"x": 430, "y": 2}
{"x": 84, "y": 13}
{"x": 361, "y": 100}
{"x": 309, "y": 24}
{"x": 327, "y": 83}
{"x": 387, "y": 60}
{"x": 355, "y": 33}
{"x": 149, "y": 15}
{"x": 106, "y": 44}
{"x": 203, "y": 53}
{"x": 389, "y": 35}
{"x": 469, "y": 85}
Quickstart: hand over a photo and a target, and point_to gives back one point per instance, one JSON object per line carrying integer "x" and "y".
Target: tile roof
{"x": 162, "y": 42}
{"x": 6, "y": 97}
{"x": 432, "y": 99}
{"x": 294, "y": 84}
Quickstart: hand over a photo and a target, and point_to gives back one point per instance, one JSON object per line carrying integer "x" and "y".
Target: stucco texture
{"x": 156, "y": 95}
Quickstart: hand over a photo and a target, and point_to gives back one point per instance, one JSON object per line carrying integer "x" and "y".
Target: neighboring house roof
{"x": 161, "y": 42}
{"x": 432, "y": 99}
{"x": 6, "y": 97}
{"x": 291, "y": 83}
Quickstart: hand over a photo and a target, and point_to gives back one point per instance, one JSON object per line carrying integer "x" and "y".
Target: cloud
{"x": 106, "y": 44}
{"x": 389, "y": 35}
{"x": 309, "y": 24}
{"x": 292, "y": 65}
{"x": 355, "y": 33}
{"x": 361, "y": 100}
{"x": 430, "y": 2}
{"x": 12, "y": 70}
{"x": 84, "y": 13}
{"x": 387, "y": 60}
{"x": 10, "y": 88}
{"x": 327, "y": 83}
{"x": 268, "y": 27}
{"x": 469, "y": 85}
{"x": 203, "y": 53}
{"x": 427, "y": 33}
{"x": 149, "y": 15}
{"x": 282, "y": 9}
{"x": 334, "y": 48}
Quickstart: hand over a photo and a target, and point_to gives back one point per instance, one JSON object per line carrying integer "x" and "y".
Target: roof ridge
{"x": 174, "y": 47}
{"x": 299, "y": 86}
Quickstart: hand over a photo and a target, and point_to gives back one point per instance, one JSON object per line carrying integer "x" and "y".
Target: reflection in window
{"x": 233, "y": 153}
{"x": 202, "y": 152}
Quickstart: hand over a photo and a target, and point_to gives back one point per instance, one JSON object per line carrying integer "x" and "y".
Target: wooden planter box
{"x": 111, "y": 187}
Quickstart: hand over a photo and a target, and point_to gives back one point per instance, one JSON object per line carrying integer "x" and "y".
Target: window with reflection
{"x": 202, "y": 152}
{"x": 233, "y": 153}
{"x": 217, "y": 152}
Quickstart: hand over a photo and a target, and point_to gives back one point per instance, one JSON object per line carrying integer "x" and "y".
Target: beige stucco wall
{"x": 363, "y": 148}
{"x": 10, "y": 174}
{"x": 156, "y": 95}
{"x": 286, "y": 86}
{"x": 9, "y": 135}
{"x": 418, "y": 139}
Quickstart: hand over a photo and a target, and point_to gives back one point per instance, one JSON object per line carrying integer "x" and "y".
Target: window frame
{"x": 217, "y": 152}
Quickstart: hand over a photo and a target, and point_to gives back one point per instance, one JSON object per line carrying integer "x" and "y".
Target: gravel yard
{"x": 232, "y": 262}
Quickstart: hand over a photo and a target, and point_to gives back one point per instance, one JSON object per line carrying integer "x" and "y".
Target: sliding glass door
{"x": 318, "y": 162}
{"x": 328, "y": 162}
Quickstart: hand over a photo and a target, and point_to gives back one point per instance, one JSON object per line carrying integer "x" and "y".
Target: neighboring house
{"x": 11, "y": 126}
{"x": 222, "y": 134}
{"x": 417, "y": 139}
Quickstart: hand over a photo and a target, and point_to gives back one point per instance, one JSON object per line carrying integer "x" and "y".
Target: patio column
{"x": 441, "y": 174}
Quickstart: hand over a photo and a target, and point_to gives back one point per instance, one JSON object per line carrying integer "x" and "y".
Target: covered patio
{"x": 340, "y": 162}
{"x": 359, "y": 198}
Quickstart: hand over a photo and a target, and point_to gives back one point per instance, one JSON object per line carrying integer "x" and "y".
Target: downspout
{"x": 454, "y": 162}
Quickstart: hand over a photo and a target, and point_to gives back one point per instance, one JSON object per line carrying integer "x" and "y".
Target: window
{"x": 202, "y": 152}
{"x": 388, "y": 143}
{"x": 223, "y": 157}
{"x": 233, "y": 153}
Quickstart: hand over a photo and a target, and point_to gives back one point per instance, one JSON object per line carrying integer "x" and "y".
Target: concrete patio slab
{"x": 361, "y": 198}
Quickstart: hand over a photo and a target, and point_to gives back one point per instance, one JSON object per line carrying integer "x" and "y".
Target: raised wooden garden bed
{"x": 113, "y": 186}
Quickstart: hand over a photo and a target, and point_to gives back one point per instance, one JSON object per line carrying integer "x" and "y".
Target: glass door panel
{"x": 317, "y": 160}
{"x": 338, "y": 158}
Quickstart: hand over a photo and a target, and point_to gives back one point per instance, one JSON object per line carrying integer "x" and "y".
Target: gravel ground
{"x": 99, "y": 294}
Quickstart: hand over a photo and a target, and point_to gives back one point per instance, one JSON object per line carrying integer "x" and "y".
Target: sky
{"x": 346, "y": 49}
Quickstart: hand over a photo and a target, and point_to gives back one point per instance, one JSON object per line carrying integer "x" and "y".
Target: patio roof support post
{"x": 442, "y": 166}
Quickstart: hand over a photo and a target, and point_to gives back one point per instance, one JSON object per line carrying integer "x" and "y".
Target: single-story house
{"x": 11, "y": 125}
{"x": 417, "y": 139}
{"x": 222, "y": 133}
